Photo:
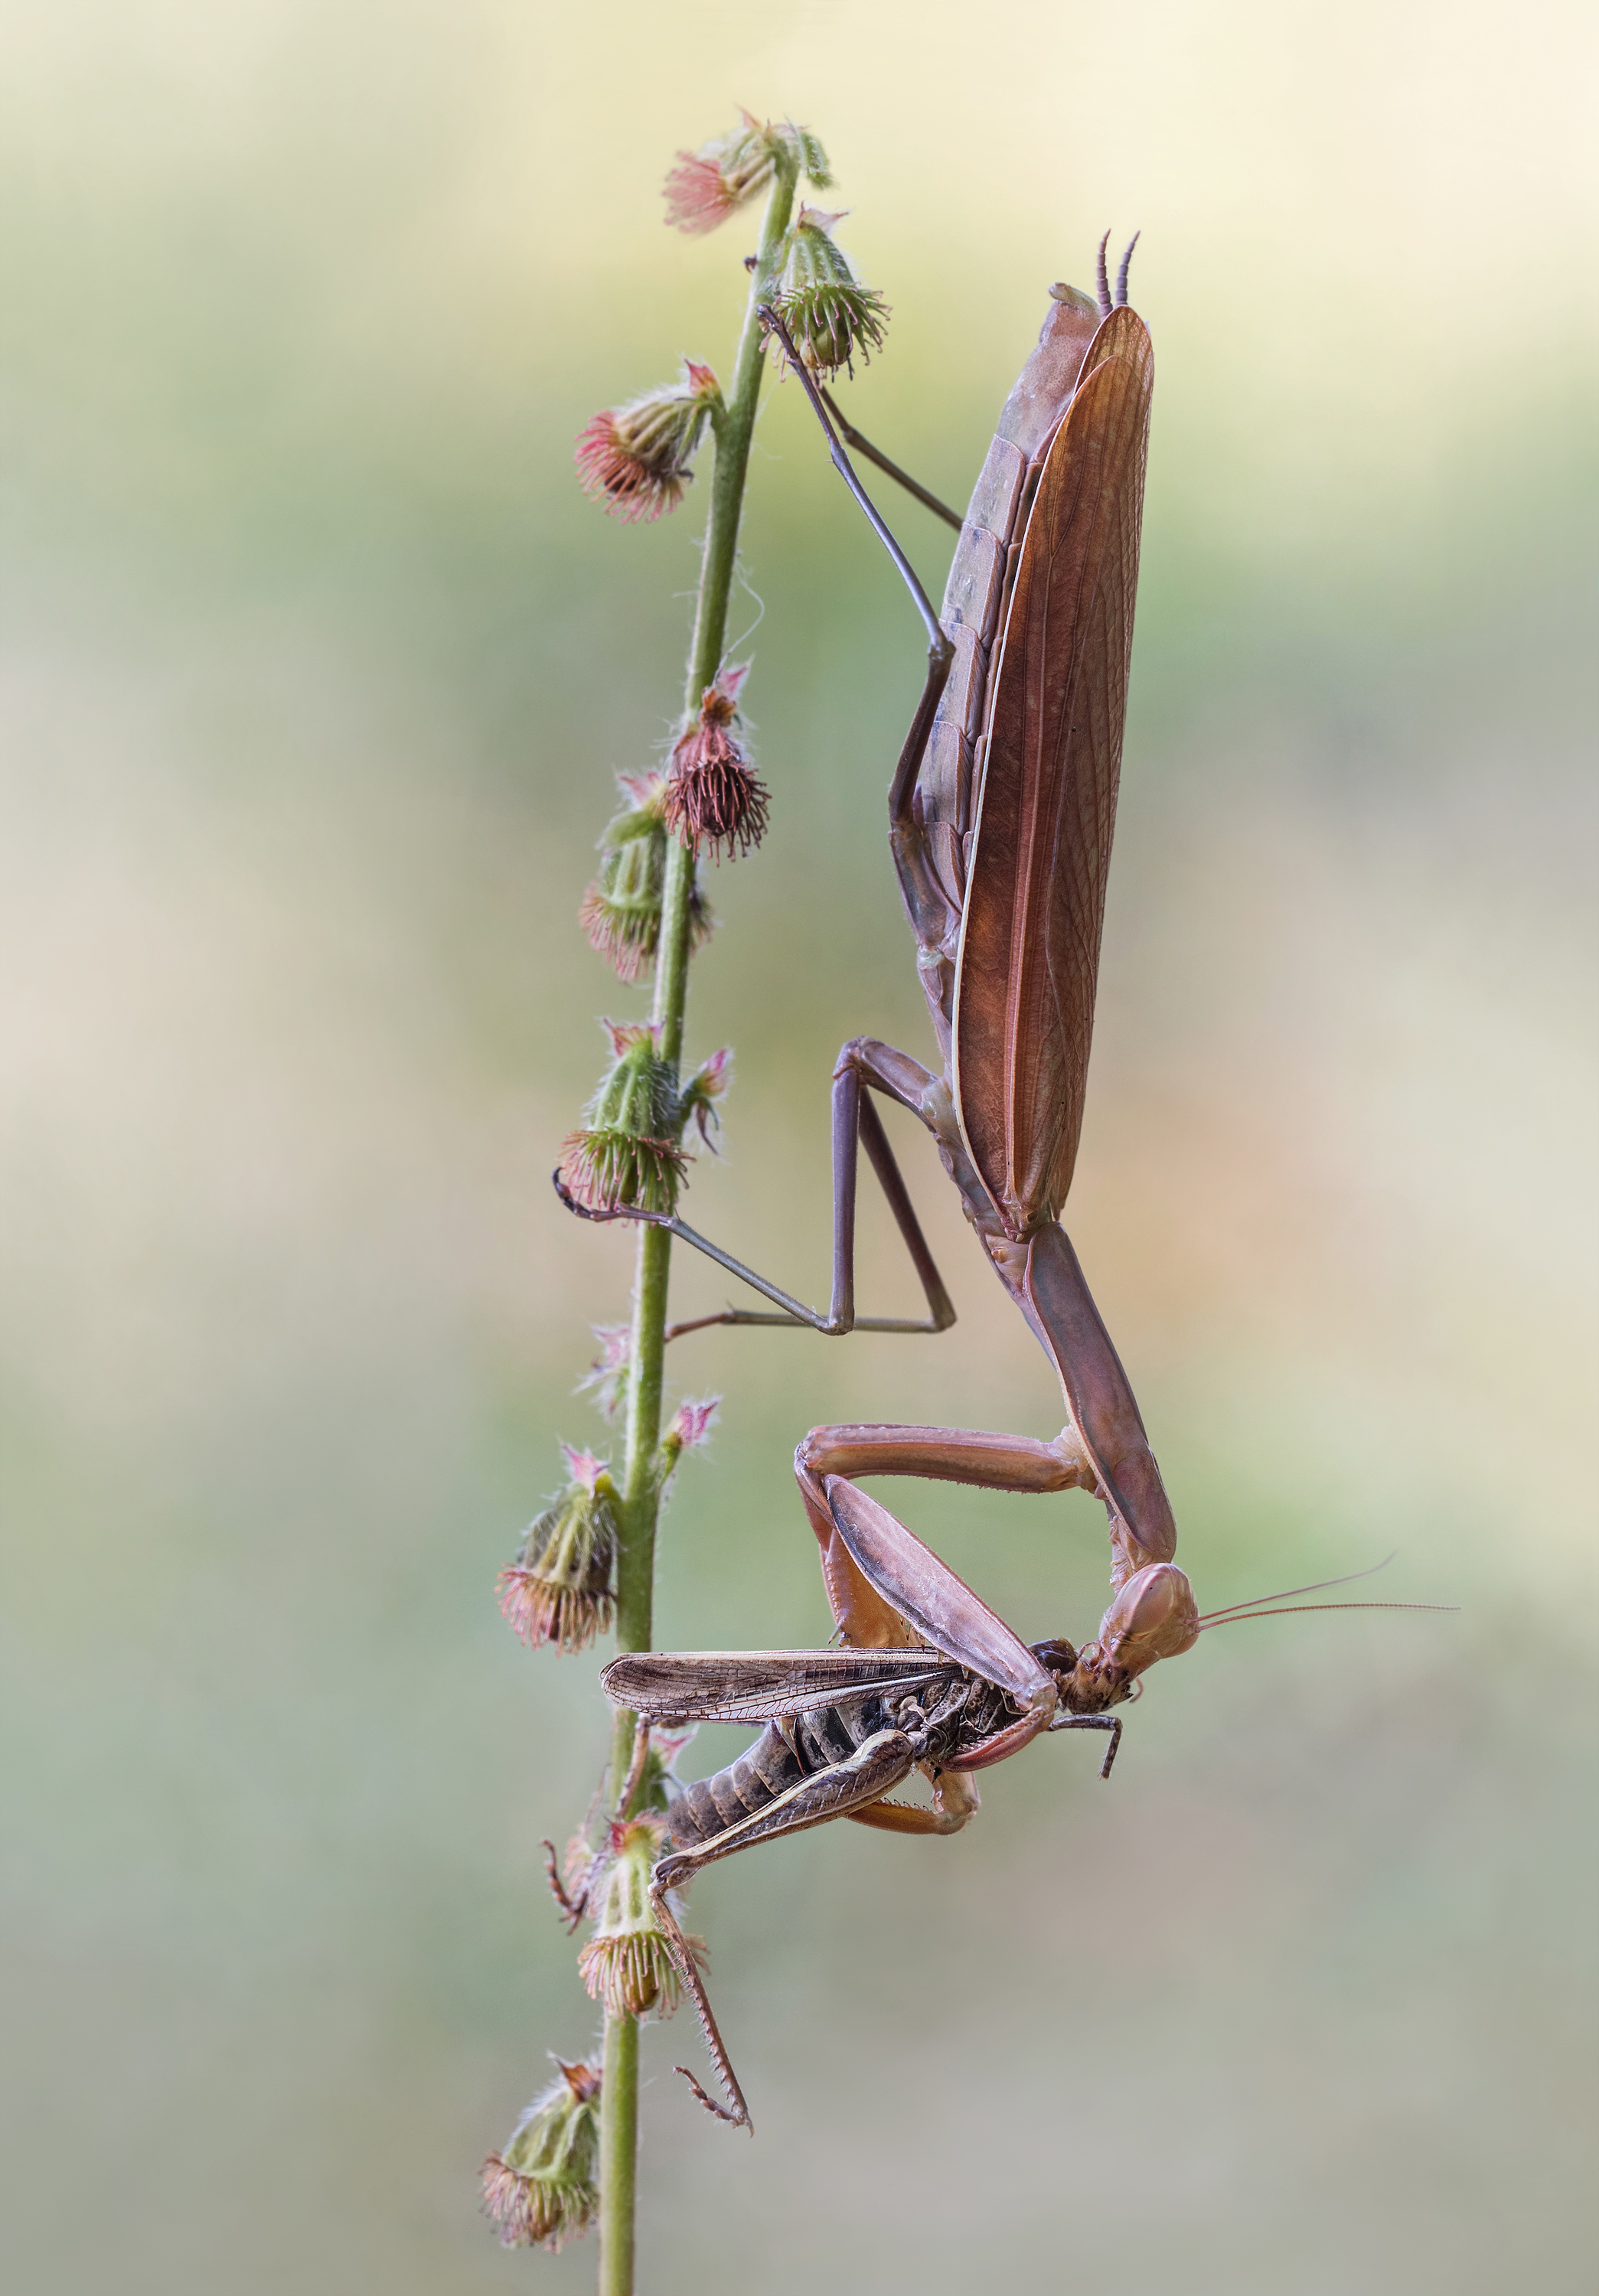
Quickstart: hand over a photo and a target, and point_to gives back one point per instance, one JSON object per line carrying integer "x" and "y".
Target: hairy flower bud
{"x": 627, "y": 1152}
{"x": 559, "y": 1588}
{"x": 699, "y": 1101}
{"x": 714, "y": 798}
{"x": 621, "y": 912}
{"x": 626, "y": 1962}
{"x": 691, "y": 1423}
{"x": 544, "y": 2188}
{"x": 830, "y": 316}
{"x": 708, "y": 185}
{"x": 635, "y": 458}
{"x": 606, "y": 1378}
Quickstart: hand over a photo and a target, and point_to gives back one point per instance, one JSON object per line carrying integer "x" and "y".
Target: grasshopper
{"x": 929, "y": 1679}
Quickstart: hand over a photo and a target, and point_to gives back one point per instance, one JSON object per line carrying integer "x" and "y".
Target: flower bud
{"x": 714, "y": 798}
{"x": 635, "y": 458}
{"x": 544, "y": 2188}
{"x": 708, "y": 185}
{"x": 691, "y": 1424}
{"x": 558, "y": 1590}
{"x": 699, "y": 1101}
{"x": 606, "y": 1378}
{"x": 626, "y": 1962}
{"x": 621, "y": 912}
{"x": 828, "y": 313}
{"x": 627, "y": 1152}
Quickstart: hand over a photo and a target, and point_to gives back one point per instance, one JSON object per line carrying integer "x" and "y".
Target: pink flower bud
{"x": 714, "y": 796}
{"x": 707, "y": 187}
{"x": 691, "y": 1422}
{"x": 635, "y": 458}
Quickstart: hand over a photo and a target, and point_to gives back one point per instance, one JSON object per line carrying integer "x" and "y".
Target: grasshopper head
{"x": 1154, "y": 1616}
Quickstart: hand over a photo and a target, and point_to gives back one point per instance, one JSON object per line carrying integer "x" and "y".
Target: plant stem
{"x": 641, "y": 1476}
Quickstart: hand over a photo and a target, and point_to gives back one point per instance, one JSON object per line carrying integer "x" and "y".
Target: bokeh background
{"x": 315, "y": 669}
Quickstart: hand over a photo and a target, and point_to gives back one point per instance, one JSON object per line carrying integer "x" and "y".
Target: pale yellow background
{"x": 313, "y": 671}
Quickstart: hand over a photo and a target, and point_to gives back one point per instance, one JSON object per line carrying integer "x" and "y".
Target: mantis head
{"x": 1155, "y": 1616}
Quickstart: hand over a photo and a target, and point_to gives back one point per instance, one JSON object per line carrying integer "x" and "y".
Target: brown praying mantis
{"x": 1001, "y": 813}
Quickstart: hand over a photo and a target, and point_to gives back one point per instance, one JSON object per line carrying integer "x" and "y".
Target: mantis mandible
{"x": 1001, "y": 813}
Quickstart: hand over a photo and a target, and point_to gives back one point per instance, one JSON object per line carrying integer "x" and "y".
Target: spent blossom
{"x": 634, "y": 459}
{"x": 706, "y": 186}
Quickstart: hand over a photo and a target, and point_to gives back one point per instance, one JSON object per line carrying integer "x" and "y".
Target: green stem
{"x": 641, "y": 1474}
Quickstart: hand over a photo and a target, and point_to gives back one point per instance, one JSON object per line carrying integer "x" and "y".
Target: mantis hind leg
{"x": 863, "y": 446}
{"x": 863, "y": 1066}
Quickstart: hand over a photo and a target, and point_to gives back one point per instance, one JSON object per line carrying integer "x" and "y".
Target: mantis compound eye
{"x": 1154, "y": 1617}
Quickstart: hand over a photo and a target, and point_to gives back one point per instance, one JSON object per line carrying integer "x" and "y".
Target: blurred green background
{"x": 315, "y": 669}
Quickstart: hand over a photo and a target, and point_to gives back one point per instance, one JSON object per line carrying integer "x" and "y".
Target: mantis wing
{"x": 757, "y": 1686}
{"x": 1028, "y": 959}
{"x": 941, "y": 1608}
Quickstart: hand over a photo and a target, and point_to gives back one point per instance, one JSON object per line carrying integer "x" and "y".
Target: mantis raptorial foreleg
{"x": 831, "y": 1457}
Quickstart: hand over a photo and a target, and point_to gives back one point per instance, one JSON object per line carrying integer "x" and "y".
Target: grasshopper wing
{"x": 757, "y": 1686}
{"x": 1028, "y": 961}
{"x": 926, "y": 1592}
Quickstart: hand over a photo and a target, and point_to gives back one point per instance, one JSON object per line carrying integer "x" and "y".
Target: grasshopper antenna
{"x": 1105, "y": 305}
{"x": 1127, "y": 265}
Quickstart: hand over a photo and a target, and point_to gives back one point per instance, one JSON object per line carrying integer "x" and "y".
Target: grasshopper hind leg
{"x": 874, "y": 1768}
{"x": 736, "y": 2112}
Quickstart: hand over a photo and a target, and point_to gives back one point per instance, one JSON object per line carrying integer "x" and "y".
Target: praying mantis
{"x": 1000, "y": 812}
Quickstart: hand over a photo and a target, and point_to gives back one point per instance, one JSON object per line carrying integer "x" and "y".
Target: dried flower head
{"x": 626, "y": 1962}
{"x": 714, "y": 798}
{"x": 830, "y": 316}
{"x": 635, "y": 458}
{"x": 621, "y": 912}
{"x": 606, "y": 1378}
{"x": 559, "y": 1588}
{"x": 627, "y": 1152}
{"x": 544, "y": 2189}
{"x": 707, "y": 187}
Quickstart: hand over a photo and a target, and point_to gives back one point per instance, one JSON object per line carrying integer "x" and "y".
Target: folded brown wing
{"x": 757, "y": 1686}
{"x": 1030, "y": 951}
